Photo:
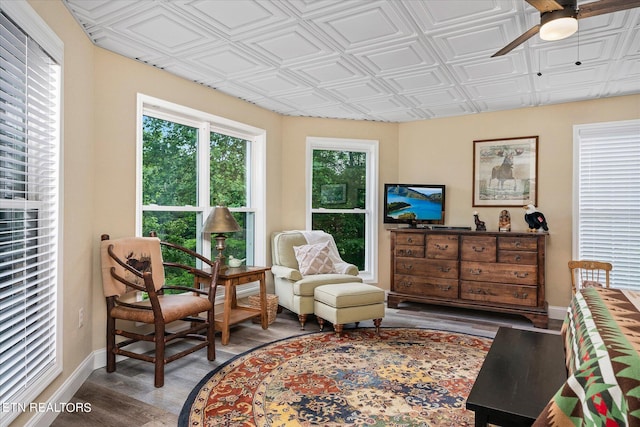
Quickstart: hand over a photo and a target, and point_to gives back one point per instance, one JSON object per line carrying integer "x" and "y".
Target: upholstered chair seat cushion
{"x": 174, "y": 307}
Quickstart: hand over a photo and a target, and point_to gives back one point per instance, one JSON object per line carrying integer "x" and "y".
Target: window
{"x": 342, "y": 197}
{"x": 607, "y": 198}
{"x": 30, "y": 345}
{"x": 189, "y": 162}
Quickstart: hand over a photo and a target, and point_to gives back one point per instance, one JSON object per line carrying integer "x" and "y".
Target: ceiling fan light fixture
{"x": 558, "y": 25}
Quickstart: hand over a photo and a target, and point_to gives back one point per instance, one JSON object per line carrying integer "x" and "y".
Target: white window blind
{"x": 29, "y": 190}
{"x": 607, "y": 198}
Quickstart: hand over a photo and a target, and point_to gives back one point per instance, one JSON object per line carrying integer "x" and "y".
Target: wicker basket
{"x": 272, "y": 307}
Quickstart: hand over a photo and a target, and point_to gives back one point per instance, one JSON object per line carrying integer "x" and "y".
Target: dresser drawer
{"x": 410, "y": 239}
{"x": 421, "y": 286}
{"x": 478, "y": 248}
{"x": 518, "y": 257}
{"x": 501, "y": 273}
{"x": 428, "y": 268}
{"x": 442, "y": 246}
{"x": 518, "y": 243}
{"x": 499, "y": 293}
{"x": 410, "y": 251}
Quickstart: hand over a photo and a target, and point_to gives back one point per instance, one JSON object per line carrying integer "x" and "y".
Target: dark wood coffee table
{"x": 520, "y": 374}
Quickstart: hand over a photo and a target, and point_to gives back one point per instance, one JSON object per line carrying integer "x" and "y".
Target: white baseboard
{"x": 64, "y": 393}
{"x": 557, "y": 312}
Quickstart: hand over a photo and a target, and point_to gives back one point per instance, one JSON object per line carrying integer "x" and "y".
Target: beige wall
{"x": 99, "y": 165}
{"x": 441, "y": 151}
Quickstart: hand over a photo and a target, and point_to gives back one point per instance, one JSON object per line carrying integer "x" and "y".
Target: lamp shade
{"x": 220, "y": 220}
{"x": 558, "y": 25}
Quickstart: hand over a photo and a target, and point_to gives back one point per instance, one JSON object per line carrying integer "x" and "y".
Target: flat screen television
{"x": 414, "y": 204}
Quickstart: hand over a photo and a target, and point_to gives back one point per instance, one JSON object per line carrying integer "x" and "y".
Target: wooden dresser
{"x": 502, "y": 272}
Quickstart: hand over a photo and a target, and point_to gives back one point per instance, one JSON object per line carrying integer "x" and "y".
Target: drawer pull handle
{"x": 444, "y": 288}
{"x": 478, "y": 291}
{"x": 409, "y": 252}
{"x": 517, "y": 244}
{"x": 407, "y": 266}
{"x": 410, "y": 240}
{"x": 475, "y": 272}
{"x": 445, "y": 269}
{"x": 520, "y": 296}
{"x": 478, "y": 249}
{"x": 518, "y": 258}
{"x": 406, "y": 283}
{"x": 442, "y": 247}
{"x": 521, "y": 275}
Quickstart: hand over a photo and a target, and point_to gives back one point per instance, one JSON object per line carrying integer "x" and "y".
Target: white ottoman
{"x": 347, "y": 303}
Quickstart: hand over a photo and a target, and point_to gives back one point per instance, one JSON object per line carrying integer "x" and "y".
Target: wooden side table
{"x": 229, "y": 278}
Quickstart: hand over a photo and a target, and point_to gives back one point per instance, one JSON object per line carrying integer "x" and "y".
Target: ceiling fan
{"x": 559, "y": 18}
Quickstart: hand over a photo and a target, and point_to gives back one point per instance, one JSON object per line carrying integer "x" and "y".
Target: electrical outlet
{"x": 80, "y": 317}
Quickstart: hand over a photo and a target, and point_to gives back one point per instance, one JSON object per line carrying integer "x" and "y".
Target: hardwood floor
{"x": 127, "y": 397}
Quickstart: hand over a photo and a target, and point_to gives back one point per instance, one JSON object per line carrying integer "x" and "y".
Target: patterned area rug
{"x": 403, "y": 377}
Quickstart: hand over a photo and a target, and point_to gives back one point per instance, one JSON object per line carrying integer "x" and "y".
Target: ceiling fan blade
{"x": 523, "y": 38}
{"x": 545, "y": 5}
{"x": 605, "y": 6}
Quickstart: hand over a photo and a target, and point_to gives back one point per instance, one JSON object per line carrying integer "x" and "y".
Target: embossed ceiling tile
{"x": 355, "y": 91}
{"x": 236, "y": 17}
{"x": 273, "y": 83}
{"x": 450, "y": 110}
{"x": 228, "y": 61}
{"x": 627, "y": 69}
{"x": 406, "y": 56}
{"x": 591, "y": 51}
{"x": 408, "y": 115}
{"x": 585, "y": 79}
{"x": 161, "y": 29}
{"x": 308, "y": 99}
{"x": 290, "y": 46}
{"x": 340, "y": 110}
{"x": 383, "y": 105}
{"x": 491, "y": 68}
{"x": 329, "y": 72}
{"x": 522, "y": 100}
{"x": 438, "y": 97}
{"x": 502, "y": 87}
{"x": 435, "y": 15}
{"x": 558, "y": 96}
{"x": 478, "y": 41}
{"x": 420, "y": 80}
{"x": 104, "y": 12}
{"x": 627, "y": 86}
{"x": 367, "y": 24}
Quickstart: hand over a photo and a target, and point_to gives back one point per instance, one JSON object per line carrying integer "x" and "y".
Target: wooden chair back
{"x": 586, "y": 274}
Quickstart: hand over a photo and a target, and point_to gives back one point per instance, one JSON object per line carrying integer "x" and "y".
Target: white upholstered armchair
{"x": 302, "y": 261}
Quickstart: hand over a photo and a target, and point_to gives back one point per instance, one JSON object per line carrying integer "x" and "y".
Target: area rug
{"x": 401, "y": 377}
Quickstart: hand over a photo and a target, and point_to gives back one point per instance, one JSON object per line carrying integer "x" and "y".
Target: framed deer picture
{"x": 505, "y": 171}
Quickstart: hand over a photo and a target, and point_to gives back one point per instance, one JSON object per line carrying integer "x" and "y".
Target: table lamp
{"x": 220, "y": 221}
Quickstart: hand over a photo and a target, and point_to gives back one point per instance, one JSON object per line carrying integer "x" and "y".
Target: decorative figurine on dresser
{"x": 493, "y": 271}
{"x": 535, "y": 219}
{"x": 480, "y": 226}
{"x": 504, "y": 223}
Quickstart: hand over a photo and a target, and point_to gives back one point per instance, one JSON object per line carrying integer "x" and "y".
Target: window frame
{"x": 587, "y": 133}
{"x": 207, "y": 123}
{"x": 23, "y": 15}
{"x": 371, "y": 148}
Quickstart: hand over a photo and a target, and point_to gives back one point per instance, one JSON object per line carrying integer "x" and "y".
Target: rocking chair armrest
{"x": 189, "y": 252}
{"x": 192, "y": 270}
{"x": 185, "y": 288}
{"x": 134, "y": 306}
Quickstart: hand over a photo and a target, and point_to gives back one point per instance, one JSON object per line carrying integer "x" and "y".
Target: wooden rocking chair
{"x": 134, "y": 265}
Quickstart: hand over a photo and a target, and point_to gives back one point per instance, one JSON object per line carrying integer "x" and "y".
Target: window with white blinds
{"x": 29, "y": 198}
{"x": 607, "y": 198}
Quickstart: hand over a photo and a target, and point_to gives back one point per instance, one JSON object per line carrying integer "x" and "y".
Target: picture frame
{"x": 333, "y": 194}
{"x": 505, "y": 172}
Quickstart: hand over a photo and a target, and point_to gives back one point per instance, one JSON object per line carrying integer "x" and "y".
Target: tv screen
{"x": 414, "y": 204}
